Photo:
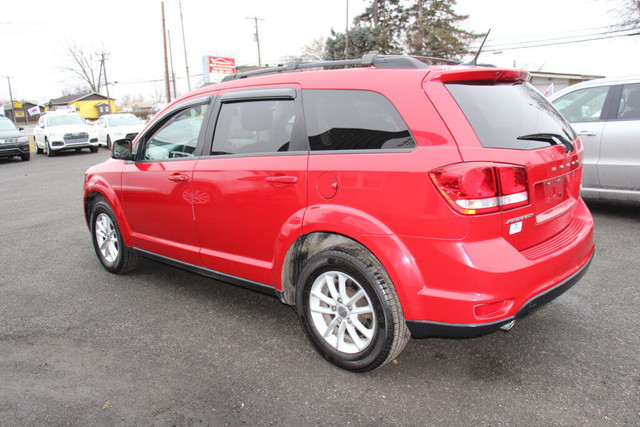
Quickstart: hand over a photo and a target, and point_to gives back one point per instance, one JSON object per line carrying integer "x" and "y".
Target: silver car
{"x": 606, "y": 115}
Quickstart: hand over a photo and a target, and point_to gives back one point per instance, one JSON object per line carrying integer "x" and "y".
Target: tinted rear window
{"x": 353, "y": 120}
{"x": 499, "y": 114}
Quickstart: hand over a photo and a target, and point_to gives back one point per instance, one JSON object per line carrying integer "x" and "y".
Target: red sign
{"x": 221, "y": 65}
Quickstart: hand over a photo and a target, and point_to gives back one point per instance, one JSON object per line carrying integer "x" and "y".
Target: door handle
{"x": 178, "y": 177}
{"x": 586, "y": 133}
{"x": 284, "y": 179}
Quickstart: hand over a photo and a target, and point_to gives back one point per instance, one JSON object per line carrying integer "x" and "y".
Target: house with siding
{"x": 89, "y": 105}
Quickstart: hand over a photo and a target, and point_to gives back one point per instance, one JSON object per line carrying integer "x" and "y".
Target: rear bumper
{"x": 424, "y": 329}
{"x": 478, "y": 285}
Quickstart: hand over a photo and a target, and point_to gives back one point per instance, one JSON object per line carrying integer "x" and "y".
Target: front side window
{"x": 629, "y": 106}
{"x": 584, "y": 105}
{"x": 353, "y": 120}
{"x": 254, "y": 127}
{"x": 178, "y": 137}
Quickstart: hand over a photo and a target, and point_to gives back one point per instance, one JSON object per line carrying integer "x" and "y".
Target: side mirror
{"x": 122, "y": 150}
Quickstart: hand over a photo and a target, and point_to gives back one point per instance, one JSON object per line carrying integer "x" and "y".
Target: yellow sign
{"x": 19, "y": 113}
{"x": 17, "y": 104}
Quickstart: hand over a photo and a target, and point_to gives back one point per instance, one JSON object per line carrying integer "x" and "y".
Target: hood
{"x": 10, "y": 134}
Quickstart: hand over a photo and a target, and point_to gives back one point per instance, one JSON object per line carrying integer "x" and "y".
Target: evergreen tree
{"x": 362, "y": 40}
{"x": 433, "y": 31}
{"x": 387, "y": 18}
{"x": 415, "y": 27}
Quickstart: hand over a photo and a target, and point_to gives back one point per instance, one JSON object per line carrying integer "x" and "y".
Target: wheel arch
{"x": 387, "y": 249}
{"x": 96, "y": 189}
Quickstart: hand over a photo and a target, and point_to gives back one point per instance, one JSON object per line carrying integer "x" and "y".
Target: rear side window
{"x": 499, "y": 114}
{"x": 254, "y": 127}
{"x": 339, "y": 120}
{"x": 629, "y": 106}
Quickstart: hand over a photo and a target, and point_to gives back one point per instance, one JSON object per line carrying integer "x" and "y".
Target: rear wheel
{"x": 349, "y": 309}
{"x": 94, "y": 149}
{"x": 114, "y": 255}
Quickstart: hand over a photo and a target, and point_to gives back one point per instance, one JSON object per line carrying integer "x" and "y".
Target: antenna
{"x": 475, "y": 59}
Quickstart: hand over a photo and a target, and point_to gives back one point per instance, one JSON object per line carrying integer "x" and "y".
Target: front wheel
{"x": 108, "y": 142}
{"x": 25, "y": 157}
{"x": 114, "y": 255}
{"x": 47, "y": 146}
{"x": 349, "y": 309}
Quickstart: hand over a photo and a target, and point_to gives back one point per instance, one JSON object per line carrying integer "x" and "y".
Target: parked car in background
{"x": 62, "y": 130}
{"x": 13, "y": 143}
{"x": 606, "y": 115}
{"x": 387, "y": 201}
{"x": 112, "y": 127}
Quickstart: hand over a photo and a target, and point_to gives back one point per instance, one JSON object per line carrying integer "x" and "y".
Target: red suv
{"x": 390, "y": 200}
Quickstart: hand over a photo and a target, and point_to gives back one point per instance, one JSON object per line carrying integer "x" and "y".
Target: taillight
{"x": 478, "y": 188}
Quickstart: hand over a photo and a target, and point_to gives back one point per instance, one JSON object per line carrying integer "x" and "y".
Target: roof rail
{"x": 369, "y": 59}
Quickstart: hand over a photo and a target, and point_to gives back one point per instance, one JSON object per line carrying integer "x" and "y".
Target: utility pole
{"x": 184, "y": 43}
{"x": 256, "y": 19}
{"x": 173, "y": 75}
{"x": 13, "y": 110}
{"x": 106, "y": 82}
{"x": 346, "y": 34}
{"x": 166, "y": 62}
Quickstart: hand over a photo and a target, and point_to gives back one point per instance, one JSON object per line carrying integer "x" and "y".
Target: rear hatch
{"x": 501, "y": 122}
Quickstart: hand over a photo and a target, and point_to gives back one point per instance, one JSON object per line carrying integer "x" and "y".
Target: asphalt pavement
{"x": 162, "y": 346}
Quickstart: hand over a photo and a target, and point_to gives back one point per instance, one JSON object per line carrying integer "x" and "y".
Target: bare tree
{"x": 627, "y": 13}
{"x": 314, "y": 51}
{"x": 85, "y": 66}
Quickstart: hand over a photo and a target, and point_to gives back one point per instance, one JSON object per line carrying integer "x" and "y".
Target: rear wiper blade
{"x": 551, "y": 138}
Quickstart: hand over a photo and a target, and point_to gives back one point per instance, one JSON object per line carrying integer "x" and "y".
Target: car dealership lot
{"x": 162, "y": 346}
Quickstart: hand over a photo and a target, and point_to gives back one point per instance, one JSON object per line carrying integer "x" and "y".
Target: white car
{"x": 606, "y": 115}
{"x": 112, "y": 127}
{"x": 59, "y": 131}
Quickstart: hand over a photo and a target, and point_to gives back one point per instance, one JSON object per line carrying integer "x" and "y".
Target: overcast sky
{"x": 34, "y": 36}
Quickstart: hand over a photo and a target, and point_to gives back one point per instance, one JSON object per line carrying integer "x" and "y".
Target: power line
{"x": 565, "y": 42}
{"x": 495, "y": 47}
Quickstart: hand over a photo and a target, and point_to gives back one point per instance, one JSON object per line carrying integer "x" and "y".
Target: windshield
{"x": 499, "y": 114}
{"x": 6, "y": 124}
{"x": 67, "y": 119}
{"x": 124, "y": 121}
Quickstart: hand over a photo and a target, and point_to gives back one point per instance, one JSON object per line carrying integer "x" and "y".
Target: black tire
{"x": 108, "y": 142}
{"x": 386, "y": 325}
{"x": 94, "y": 149}
{"x": 38, "y": 149}
{"x": 125, "y": 259}
{"x": 47, "y": 146}
{"x": 25, "y": 157}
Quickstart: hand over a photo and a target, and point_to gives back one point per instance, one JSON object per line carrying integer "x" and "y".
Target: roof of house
{"x": 85, "y": 96}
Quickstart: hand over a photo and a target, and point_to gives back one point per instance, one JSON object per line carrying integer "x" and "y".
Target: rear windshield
{"x": 501, "y": 113}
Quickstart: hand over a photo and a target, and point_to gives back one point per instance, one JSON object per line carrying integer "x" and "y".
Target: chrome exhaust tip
{"x": 507, "y": 326}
